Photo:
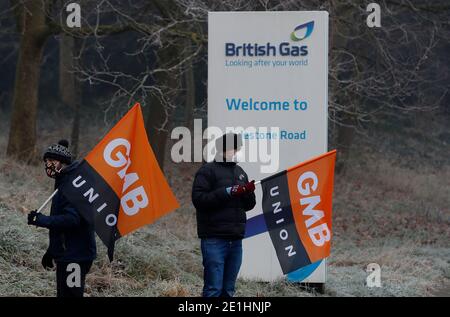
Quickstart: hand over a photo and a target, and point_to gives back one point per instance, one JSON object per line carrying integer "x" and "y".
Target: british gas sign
{"x": 300, "y": 32}
{"x": 266, "y": 71}
{"x": 268, "y": 49}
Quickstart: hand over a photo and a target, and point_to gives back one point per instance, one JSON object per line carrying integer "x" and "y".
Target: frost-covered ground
{"x": 386, "y": 211}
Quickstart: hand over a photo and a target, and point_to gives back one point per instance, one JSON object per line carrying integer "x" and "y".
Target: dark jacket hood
{"x": 70, "y": 168}
{"x": 65, "y": 172}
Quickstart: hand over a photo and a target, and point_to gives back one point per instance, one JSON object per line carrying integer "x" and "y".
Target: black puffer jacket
{"x": 218, "y": 214}
{"x": 72, "y": 239}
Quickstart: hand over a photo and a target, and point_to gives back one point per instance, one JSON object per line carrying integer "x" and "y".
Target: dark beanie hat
{"x": 59, "y": 151}
{"x": 229, "y": 141}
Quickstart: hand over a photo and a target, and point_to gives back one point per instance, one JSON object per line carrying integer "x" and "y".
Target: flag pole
{"x": 47, "y": 201}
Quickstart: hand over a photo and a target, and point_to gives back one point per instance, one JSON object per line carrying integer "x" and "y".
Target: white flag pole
{"x": 47, "y": 201}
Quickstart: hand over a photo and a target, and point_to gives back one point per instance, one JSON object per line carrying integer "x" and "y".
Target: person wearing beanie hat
{"x": 59, "y": 151}
{"x": 56, "y": 157}
{"x": 222, "y": 194}
{"x": 227, "y": 147}
{"x": 72, "y": 239}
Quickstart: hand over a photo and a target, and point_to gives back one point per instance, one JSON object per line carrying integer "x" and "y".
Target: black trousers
{"x": 70, "y": 280}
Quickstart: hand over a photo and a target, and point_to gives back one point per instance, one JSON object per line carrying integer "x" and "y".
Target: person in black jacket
{"x": 72, "y": 240}
{"x": 221, "y": 194}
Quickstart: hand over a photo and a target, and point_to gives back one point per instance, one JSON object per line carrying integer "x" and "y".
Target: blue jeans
{"x": 221, "y": 262}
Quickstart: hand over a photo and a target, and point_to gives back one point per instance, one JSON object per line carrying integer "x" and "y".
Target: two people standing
{"x": 221, "y": 194}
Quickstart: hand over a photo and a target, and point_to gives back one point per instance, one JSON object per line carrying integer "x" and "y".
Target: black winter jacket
{"x": 218, "y": 214}
{"x": 72, "y": 239}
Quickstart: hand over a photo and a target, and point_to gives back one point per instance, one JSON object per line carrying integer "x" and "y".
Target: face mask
{"x": 238, "y": 156}
{"x": 233, "y": 157}
{"x": 52, "y": 169}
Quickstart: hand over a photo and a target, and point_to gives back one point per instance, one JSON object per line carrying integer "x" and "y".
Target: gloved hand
{"x": 250, "y": 186}
{"x": 47, "y": 261}
{"x": 32, "y": 217}
{"x": 239, "y": 190}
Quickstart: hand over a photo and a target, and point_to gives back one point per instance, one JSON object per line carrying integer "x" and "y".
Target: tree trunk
{"x": 159, "y": 112}
{"x": 190, "y": 89}
{"x": 66, "y": 77}
{"x": 345, "y": 137}
{"x": 69, "y": 88}
{"x": 157, "y": 137}
{"x": 339, "y": 40}
{"x": 75, "y": 134}
{"x": 22, "y": 133}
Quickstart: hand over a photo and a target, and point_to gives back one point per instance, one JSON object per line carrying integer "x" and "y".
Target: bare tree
{"x": 31, "y": 24}
{"x": 390, "y": 70}
{"x": 70, "y": 89}
{"x": 36, "y": 20}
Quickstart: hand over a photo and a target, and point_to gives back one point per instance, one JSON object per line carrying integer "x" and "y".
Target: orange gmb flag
{"x": 119, "y": 186}
{"x": 297, "y": 206}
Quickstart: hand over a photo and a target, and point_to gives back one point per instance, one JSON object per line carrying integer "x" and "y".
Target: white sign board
{"x": 270, "y": 69}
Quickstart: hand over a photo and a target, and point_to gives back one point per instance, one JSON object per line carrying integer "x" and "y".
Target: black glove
{"x": 32, "y": 217}
{"x": 47, "y": 261}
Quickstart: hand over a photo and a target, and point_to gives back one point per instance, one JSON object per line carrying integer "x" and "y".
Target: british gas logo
{"x": 252, "y": 49}
{"x": 302, "y": 31}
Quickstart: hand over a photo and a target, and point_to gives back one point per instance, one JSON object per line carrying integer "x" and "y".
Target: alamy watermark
{"x": 259, "y": 144}
{"x": 74, "y": 277}
{"x": 374, "y": 17}
{"x": 374, "y": 277}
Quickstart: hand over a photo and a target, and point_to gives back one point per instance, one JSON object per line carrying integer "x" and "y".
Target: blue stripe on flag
{"x": 302, "y": 273}
{"x": 255, "y": 225}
